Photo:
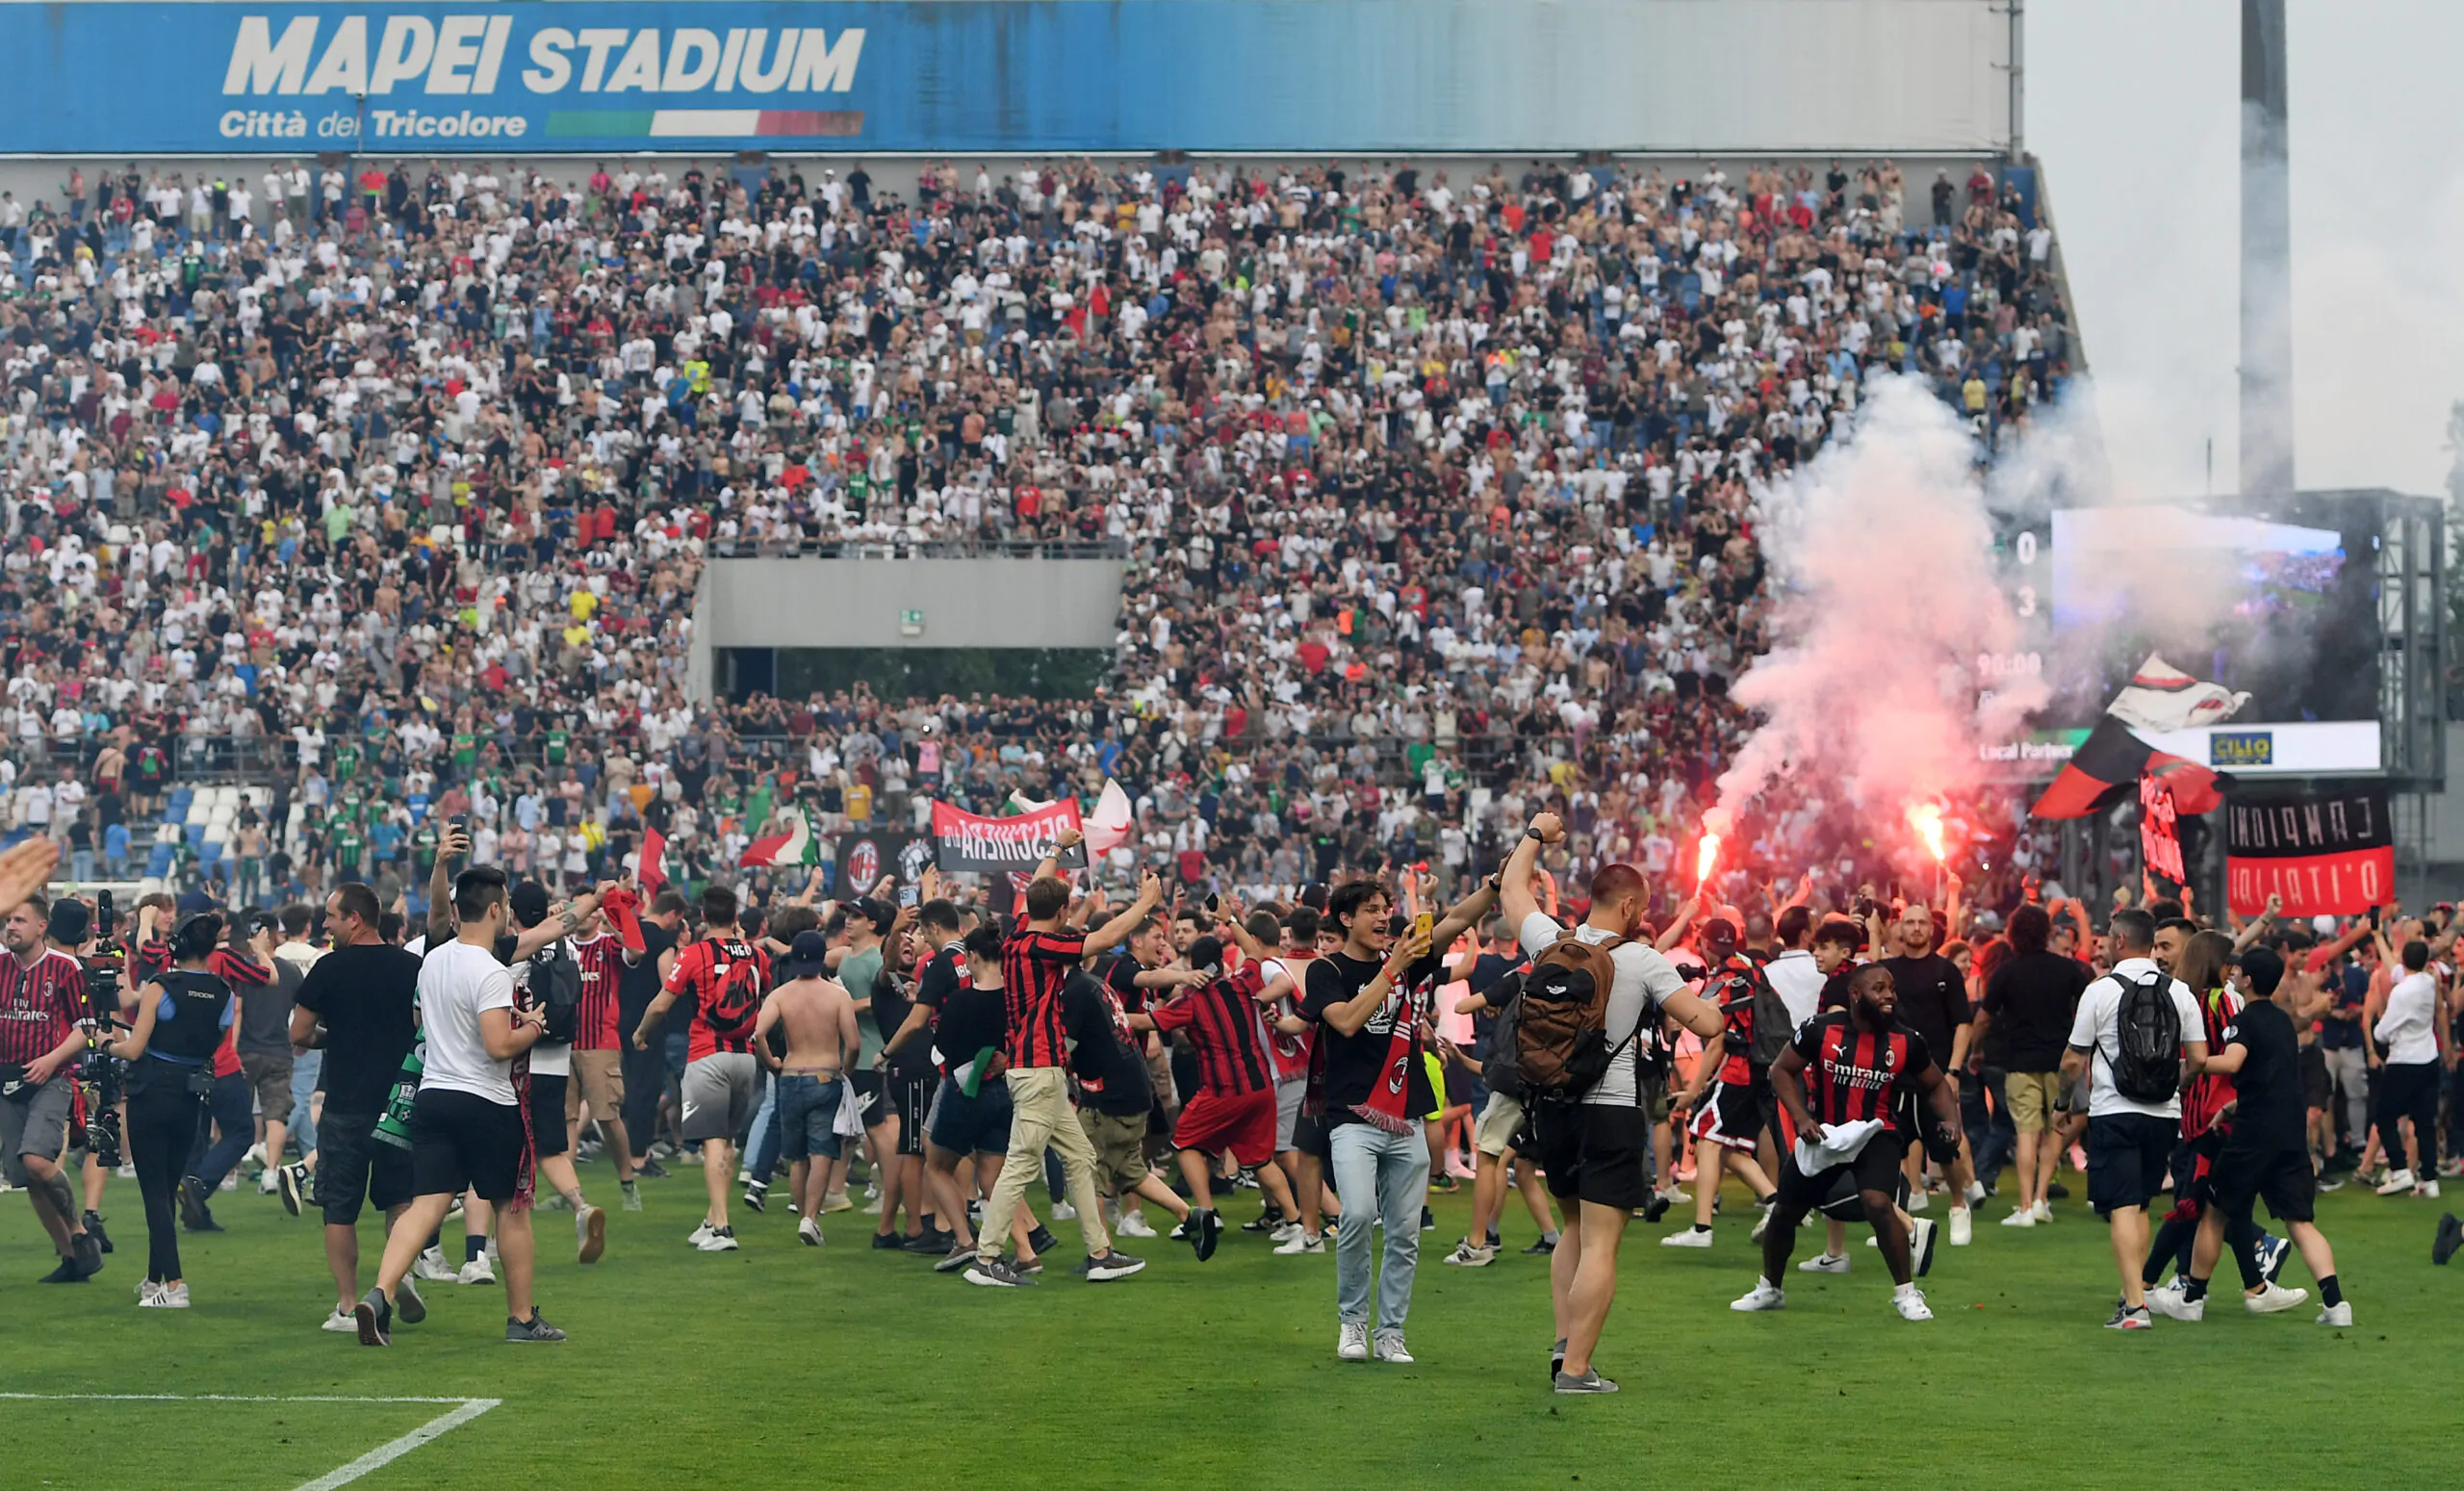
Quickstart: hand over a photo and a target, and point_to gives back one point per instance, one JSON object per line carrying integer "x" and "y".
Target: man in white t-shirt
{"x": 467, "y": 1122}
{"x": 1592, "y": 1151}
{"x": 2130, "y": 1136}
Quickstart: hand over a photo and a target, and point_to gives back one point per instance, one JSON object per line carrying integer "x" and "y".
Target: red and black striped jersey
{"x": 603, "y": 968}
{"x": 1730, "y": 986}
{"x": 726, "y": 980}
{"x": 1851, "y": 1074}
{"x": 2209, "y": 1092}
{"x": 148, "y": 959}
{"x": 239, "y": 975}
{"x": 1223, "y": 1020}
{"x": 1034, "y": 965}
{"x": 40, "y": 1006}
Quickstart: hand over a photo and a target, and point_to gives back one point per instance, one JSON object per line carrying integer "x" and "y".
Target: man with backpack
{"x": 725, "y": 979}
{"x": 2140, "y": 1036}
{"x": 1577, "y": 1042}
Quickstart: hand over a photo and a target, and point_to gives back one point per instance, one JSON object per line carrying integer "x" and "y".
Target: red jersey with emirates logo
{"x": 602, "y": 966}
{"x": 715, "y": 974}
{"x": 38, "y": 1005}
{"x": 1851, "y": 1075}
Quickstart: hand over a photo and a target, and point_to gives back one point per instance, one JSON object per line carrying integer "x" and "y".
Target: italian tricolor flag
{"x": 796, "y": 846}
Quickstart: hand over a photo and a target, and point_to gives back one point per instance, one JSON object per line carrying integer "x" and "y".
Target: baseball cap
{"x": 529, "y": 903}
{"x": 873, "y": 908}
{"x": 810, "y": 955}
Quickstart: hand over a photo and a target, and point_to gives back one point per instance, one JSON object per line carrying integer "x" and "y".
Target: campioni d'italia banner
{"x": 994, "y": 846}
{"x": 2325, "y": 853}
{"x": 225, "y": 77}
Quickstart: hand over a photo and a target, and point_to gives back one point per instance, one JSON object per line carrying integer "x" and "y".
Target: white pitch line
{"x": 465, "y": 1411}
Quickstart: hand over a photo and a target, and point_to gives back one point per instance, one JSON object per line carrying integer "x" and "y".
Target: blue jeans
{"x": 233, "y": 1110}
{"x": 1393, "y": 1169}
{"x": 808, "y": 1116}
{"x": 306, "y": 1068}
{"x": 761, "y": 1146}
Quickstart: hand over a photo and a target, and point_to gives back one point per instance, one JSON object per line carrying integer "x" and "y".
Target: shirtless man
{"x": 821, "y": 1030}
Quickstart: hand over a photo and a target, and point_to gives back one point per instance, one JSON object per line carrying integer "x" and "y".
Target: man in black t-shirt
{"x": 960, "y": 1018}
{"x": 646, "y": 1074}
{"x": 359, "y": 1005}
{"x": 2029, "y": 1004}
{"x": 2266, "y": 1153}
{"x": 1372, "y": 1087}
{"x": 1933, "y": 1003}
{"x": 1114, "y": 1094}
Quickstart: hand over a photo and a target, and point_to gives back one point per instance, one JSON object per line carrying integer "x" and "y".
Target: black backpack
{"x": 556, "y": 987}
{"x": 1772, "y": 1026}
{"x": 2146, "y": 1065}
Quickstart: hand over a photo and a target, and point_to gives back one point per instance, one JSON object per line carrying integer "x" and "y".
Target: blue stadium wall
{"x": 231, "y": 77}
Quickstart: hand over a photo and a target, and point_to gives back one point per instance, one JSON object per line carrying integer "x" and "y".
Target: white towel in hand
{"x": 1841, "y": 1144}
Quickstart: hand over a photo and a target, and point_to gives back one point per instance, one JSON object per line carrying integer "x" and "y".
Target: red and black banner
{"x": 993, "y": 846}
{"x": 2110, "y": 761}
{"x": 2330, "y": 853}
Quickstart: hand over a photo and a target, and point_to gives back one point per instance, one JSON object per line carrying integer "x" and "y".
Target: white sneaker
{"x": 1351, "y": 1342}
{"x": 2397, "y": 1183}
{"x": 1303, "y": 1242}
{"x": 2043, "y": 1211}
{"x": 1825, "y": 1263}
{"x": 175, "y": 1297}
{"x": 2173, "y": 1305}
{"x": 431, "y": 1265}
{"x": 150, "y": 1296}
{"x": 698, "y": 1235}
{"x": 2026, "y": 1217}
{"x": 340, "y": 1322}
{"x": 2271, "y": 1300}
{"x": 1762, "y": 1223}
{"x": 478, "y": 1270}
{"x": 809, "y": 1232}
{"x": 1763, "y": 1296}
{"x": 1687, "y": 1237}
{"x": 873, "y": 1207}
{"x": 2336, "y": 1314}
{"x": 1062, "y": 1211}
{"x": 1918, "y": 1201}
{"x": 1135, "y": 1224}
{"x": 268, "y": 1182}
{"x": 255, "y": 1154}
{"x": 1284, "y": 1231}
{"x": 1911, "y": 1304}
{"x": 2427, "y": 1189}
{"x": 719, "y": 1240}
{"x": 1963, "y": 1230}
{"x": 837, "y": 1201}
{"x": 1975, "y": 1191}
{"x": 1387, "y": 1346}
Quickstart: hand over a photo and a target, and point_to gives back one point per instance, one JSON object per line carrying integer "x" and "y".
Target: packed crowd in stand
{"x": 388, "y": 498}
{"x": 1437, "y": 492}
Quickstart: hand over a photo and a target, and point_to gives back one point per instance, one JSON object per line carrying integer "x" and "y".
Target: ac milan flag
{"x": 2158, "y": 699}
{"x": 2329, "y": 853}
{"x": 993, "y": 846}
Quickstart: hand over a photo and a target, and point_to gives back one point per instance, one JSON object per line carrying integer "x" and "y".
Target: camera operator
{"x": 43, "y": 1006}
{"x": 181, "y": 1017}
{"x": 85, "y": 934}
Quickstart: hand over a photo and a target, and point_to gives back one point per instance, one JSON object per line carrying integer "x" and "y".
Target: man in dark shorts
{"x": 359, "y": 1006}
{"x": 2267, "y": 1155}
{"x": 1593, "y": 1149}
{"x": 1844, "y": 1073}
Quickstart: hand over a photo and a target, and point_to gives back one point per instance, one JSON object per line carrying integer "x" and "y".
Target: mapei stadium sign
{"x": 224, "y": 77}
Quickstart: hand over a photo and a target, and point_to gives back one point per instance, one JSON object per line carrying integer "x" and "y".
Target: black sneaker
{"x": 375, "y": 1318}
{"x": 934, "y": 1243}
{"x": 756, "y": 1196}
{"x": 1541, "y": 1249}
{"x": 88, "y": 1253}
{"x": 2451, "y": 1237}
{"x": 1428, "y": 1219}
{"x": 2057, "y": 1192}
{"x": 1041, "y": 1240}
{"x": 888, "y": 1243}
{"x": 650, "y": 1170}
{"x": 1655, "y": 1208}
{"x": 194, "y": 1215}
{"x": 293, "y": 1182}
{"x": 993, "y": 1273}
{"x": 1266, "y": 1221}
{"x": 1210, "y": 1233}
{"x": 534, "y": 1332}
{"x": 67, "y": 1273}
{"x": 407, "y": 1302}
{"x": 94, "y": 1229}
{"x": 1113, "y": 1264}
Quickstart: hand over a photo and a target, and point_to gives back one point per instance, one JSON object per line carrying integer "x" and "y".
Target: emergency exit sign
{"x": 911, "y": 624}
